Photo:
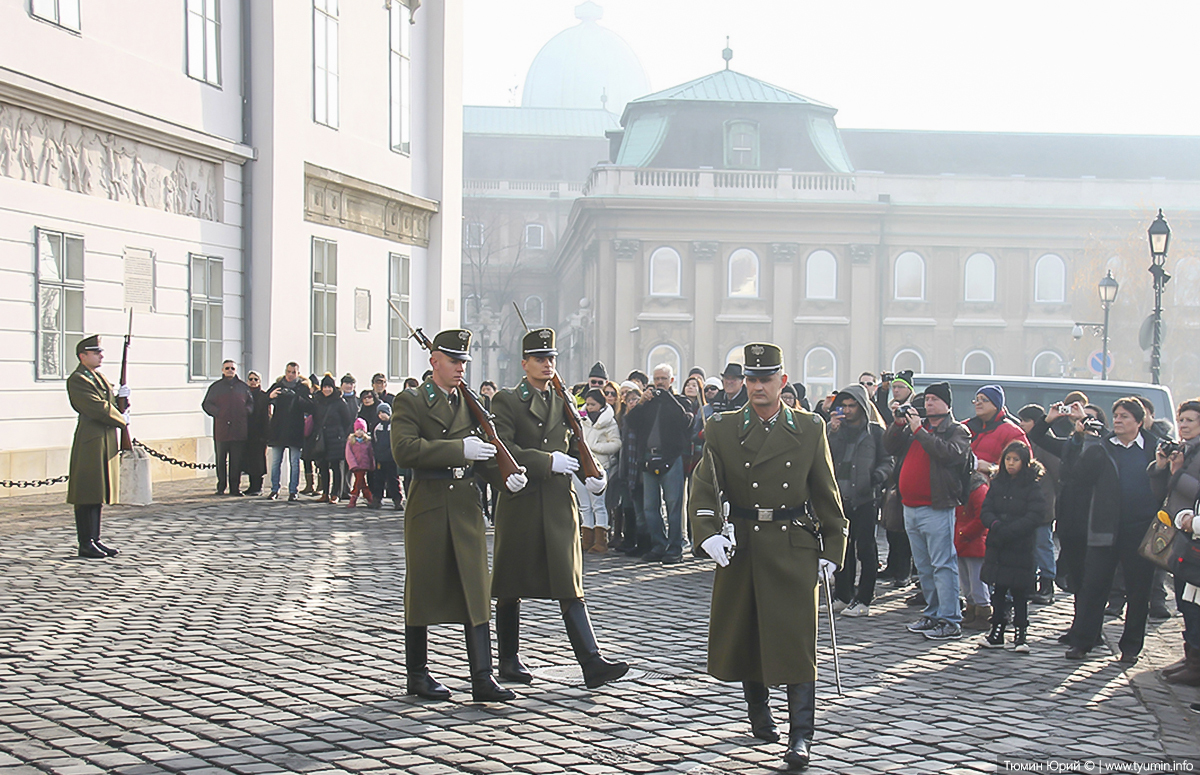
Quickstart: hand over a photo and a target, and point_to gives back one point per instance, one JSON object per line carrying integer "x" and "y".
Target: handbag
{"x": 1169, "y": 548}
{"x": 892, "y": 513}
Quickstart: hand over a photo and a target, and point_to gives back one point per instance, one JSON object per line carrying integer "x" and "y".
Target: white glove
{"x": 475, "y": 448}
{"x": 596, "y": 484}
{"x": 516, "y": 482}
{"x": 717, "y": 547}
{"x": 825, "y": 569}
{"x": 562, "y": 463}
{"x": 1182, "y": 516}
{"x": 125, "y": 415}
{"x": 123, "y": 391}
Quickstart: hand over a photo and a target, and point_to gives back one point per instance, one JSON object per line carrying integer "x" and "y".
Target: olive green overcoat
{"x": 536, "y": 552}
{"x": 95, "y": 453}
{"x": 763, "y": 625}
{"x": 445, "y": 541}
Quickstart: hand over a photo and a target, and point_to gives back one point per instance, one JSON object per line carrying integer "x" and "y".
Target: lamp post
{"x": 1160, "y": 238}
{"x": 1108, "y": 288}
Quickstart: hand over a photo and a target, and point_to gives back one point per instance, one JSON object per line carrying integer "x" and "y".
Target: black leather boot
{"x": 597, "y": 670}
{"x": 479, "y": 655}
{"x": 111, "y": 552}
{"x": 802, "y": 721}
{"x": 416, "y": 665}
{"x": 83, "y": 533}
{"x": 762, "y": 725}
{"x": 508, "y": 642}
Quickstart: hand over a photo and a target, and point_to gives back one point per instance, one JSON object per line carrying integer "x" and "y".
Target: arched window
{"x": 1048, "y": 363}
{"x": 820, "y": 275}
{"x": 979, "y": 278}
{"x": 736, "y": 355}
{"x": 664, "y": 272}
{"x": 535, "y": 311}
{"x": 743, "y": 274}
{"x": 741, "y": 145}
{"x": 663, "y": 353}
{"x": 978, "y": 362}
{"x": 908, "y": 360}
{"x": 820, "y": 373}
{"x": 910, "y": 277}
{"x": 1050, "y": 280}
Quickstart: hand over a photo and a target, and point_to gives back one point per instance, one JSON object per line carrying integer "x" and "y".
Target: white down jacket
{"x": 603, "y": 437}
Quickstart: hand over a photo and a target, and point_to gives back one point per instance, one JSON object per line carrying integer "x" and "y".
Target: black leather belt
{"x": 463, "y": 472}
{"x": 767, "y": 515}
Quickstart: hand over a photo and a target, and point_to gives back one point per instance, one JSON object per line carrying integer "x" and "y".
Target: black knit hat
{"x": 598, "y": 370}
{"x": 327, "y": 381}
{"x": 942, "y": 391}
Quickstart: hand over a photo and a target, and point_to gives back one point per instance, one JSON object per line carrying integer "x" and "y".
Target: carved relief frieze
{"x": 350, "y": 203}
{"x": 626, "y": 249}
{"x": 704, "y": 251}
{"x": 862, "y": 254}
{"x": 784, "y": 251}
{"x": 62, "y": 154}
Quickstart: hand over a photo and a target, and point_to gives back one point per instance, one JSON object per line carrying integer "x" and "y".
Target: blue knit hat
{"x": 993, "y": 393}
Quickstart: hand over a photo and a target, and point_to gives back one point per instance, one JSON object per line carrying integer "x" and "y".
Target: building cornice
{"x": 346, "y": 202}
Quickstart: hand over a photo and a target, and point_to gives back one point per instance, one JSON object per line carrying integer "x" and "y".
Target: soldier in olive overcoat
{"x": 95, "y": 472}
{"x": 537, "y": 552}
{"x": 770, "y": 465}
{"x": 446, "y": 579}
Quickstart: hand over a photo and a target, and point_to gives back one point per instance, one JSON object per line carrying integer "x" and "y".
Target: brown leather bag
{"x": 1161, "y": 543}
{"x": 892, "y": 513}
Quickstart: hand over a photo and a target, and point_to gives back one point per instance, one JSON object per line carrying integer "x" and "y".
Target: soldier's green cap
{"x": 89, "y": 343}
{"x": 762, "y": 359}
{"x": 539, "y": 341}
{"x": 455, "y": 342}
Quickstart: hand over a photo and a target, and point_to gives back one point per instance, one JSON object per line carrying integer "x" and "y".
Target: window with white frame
{"x": 743, "y": 274}
{"x": 474, "y": 234}
{"x": 398, "y": 293}
{"x": 324, "y": 306}
{"x": 400, "y": 63}
{"x": 535, "y": 311}
{"x": 207, "y": 293}
{"x": 535, "y": 236}
{"x": 59, "y": 301}
{"x": 1050, "y": 280}
{"x": 665, "y": 269}
{"x": 64, "y": 13}
{"x": 910, "y": 277}
{"x": 820, "y": 373}
{"x": 663, "y": 353}
{"x": 908, "y": 360}
{"x": 1049, "y": 364}
{"x": 736, "y": 355}
{"x": 204, "y": 40}
{"x": 741, "y": 145}
{"x": 978, "y": 362}
{"x": 325, "y": 62}
{"x": 979, "y": 278}
{"x": 820, "y": 275}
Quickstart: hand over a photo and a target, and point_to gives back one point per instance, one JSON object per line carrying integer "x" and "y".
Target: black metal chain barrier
{"x": 34, "y": 483}
{"x": 173, "y": 461}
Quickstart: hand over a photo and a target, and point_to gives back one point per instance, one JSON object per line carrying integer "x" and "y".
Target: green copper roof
{"x": 729, "y": 86}
{"x": 537, "y": 122}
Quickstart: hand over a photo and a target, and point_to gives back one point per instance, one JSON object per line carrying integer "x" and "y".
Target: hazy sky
{"x": 1103, "y": 66}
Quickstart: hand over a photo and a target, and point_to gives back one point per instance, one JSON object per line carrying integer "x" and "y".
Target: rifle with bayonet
{"x": 505, "y": 461}
{"x": 587, "y": 463}
{"x": 123, "y": 403}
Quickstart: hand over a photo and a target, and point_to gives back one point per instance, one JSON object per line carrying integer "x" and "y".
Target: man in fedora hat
{"x": 762, "y": 465}
{"x": 445, "y": 535}
{"x": 734, "y": 394}
{"x": 95, "y": 473}
{"x": 537, "y": 551}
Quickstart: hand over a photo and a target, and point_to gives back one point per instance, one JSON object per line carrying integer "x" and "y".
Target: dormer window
{"x": 741, "y": 145}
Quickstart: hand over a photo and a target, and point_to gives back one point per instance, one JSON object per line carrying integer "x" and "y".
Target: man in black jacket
{"x": 255, "y": 462}
{"x": 733, "y": 397}
{"x": 290, "y": 401}
{"x": 229, "y": 402}
{"x": 663, "y": 428}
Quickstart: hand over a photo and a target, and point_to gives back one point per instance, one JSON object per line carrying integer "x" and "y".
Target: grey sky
{"x": 1103, "y": 66}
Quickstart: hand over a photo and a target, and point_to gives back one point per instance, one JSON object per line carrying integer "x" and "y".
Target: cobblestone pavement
{"x": 249, "y": 636}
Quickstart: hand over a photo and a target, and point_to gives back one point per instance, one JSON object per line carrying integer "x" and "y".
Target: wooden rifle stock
{"x": 587, "y": 463}
{"x": 123, "y": 403}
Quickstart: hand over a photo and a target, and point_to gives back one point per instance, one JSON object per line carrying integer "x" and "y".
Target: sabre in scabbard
{"x": 837, "y": 667}
{"x": 123, "y": 403}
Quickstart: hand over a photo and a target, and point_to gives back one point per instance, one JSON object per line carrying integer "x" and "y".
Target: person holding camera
{"x": 290, "y": 401}
{"x": 1175, "y": 476}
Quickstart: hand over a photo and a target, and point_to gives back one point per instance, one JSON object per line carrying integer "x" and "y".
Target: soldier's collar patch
{"x": 430, "y": 393}
{"x": 523, "y": 391}
{"x": 816, "y": 420}
{"x": 789, "y": 417}
{"x": 746, "y": 417}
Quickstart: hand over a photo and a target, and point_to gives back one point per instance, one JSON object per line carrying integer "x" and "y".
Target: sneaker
{"x": 857, "y": 609}
{"x": 922, "y": 624}
{"x": 944, "y": 631}
{"x": 1021, "y": 648}
{"x": 839, "y": 606}
{"x": 274, "y": 496}
{"x": 292, "y": 497}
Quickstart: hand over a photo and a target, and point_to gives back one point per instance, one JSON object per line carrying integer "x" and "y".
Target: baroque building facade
{"x": 254, "y": 180}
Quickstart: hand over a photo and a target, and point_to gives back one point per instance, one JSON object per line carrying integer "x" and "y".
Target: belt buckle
{"x": 765, "y": 515}
{"x": 459, "y": 473}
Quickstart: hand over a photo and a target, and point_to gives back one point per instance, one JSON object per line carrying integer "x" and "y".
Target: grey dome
{"x": 581, "y": 63}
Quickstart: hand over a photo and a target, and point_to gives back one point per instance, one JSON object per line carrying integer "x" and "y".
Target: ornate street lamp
{"x": 1108, "y": 288}
{"x": 1160, "y": 238}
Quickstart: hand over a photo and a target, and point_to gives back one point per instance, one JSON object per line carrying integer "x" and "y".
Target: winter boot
{"x": 597, "y": 670}
{"x": 416, "y": 666}
{"x": 111, "y": 552}
{"x": 1019, "y": 644}
{"x": 802, "y": 713}
{"x": 995, "y": 637}
{"x": 587, "y": 536}
{"x": 83, "y": 533}
{"x": 982, "y": 618}
{"x": 1190, "y": 674}
{"x": 1044, "y": 594}
{"x": 508, "y": 642}
{"x": 600, "y": 545}
{"x": 353, "y": 501}
{"x": 479, "y": 655}
{"x": 308, "y": 481}
{"x": 762, "y": 725}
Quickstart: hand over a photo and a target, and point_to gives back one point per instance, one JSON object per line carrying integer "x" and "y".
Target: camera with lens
{"x": 1092, "y": 425}
{"x": 887, "y": 376}
{"x": 1168, "y": 447}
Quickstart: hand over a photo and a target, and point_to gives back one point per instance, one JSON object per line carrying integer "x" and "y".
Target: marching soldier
{"x": 95, "y": 472}
{"x": 433, "y": 434}
{"x": 537, "y": 552}
{"x": 762, "y": 463}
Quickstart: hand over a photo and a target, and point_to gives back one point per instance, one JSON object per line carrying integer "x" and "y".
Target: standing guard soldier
{"x": 433, "y": 434}
{"x": 762, "y": 464}
{"x": 95, "y": 472}
{"x": 537, "y": 552}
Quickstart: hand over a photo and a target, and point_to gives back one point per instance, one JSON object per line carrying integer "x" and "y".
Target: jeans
{"x": 861, "y": 549}
{"x": 592, "y": 511}
{"x": 973, "y": 588}
{"x": 331, "y": 470}
{"x": 293, "y": 466}
{"x": 1043, "y": 552}
{"x": 665, "y": 539}
{"x": 1098, "y": 570}
{"x": 931, "y": 535}
{"x": 229, "y": 458}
